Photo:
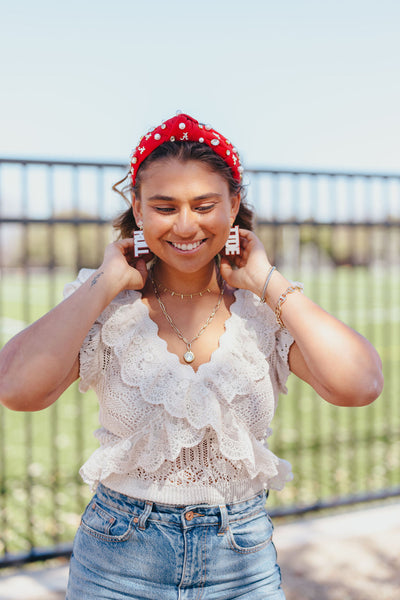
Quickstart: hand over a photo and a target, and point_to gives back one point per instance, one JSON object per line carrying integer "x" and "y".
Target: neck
{"x": 187, "y": 283}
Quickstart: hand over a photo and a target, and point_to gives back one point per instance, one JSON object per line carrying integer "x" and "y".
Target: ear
{"x": 235, "y": 205}
{"x": 137, "y": 208}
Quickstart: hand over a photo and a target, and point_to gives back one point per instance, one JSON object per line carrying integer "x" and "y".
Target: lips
{"x": 186, "y": 247}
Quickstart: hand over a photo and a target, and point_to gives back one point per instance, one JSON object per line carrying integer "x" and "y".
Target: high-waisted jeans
{"x": 128, "y": 548}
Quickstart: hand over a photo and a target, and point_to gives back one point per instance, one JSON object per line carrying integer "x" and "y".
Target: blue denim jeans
{"x": 128, "y": 548}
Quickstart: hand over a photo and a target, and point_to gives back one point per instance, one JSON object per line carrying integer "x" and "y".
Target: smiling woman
{"x": 188, "y": 346}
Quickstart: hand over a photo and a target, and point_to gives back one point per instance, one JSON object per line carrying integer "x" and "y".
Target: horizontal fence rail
{"x": 337, "y": 232}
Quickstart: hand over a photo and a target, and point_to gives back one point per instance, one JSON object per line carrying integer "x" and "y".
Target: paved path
{"x": 353, "y": 556}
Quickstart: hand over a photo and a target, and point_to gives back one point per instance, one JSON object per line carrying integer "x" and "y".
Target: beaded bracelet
{"x": 262, "y": 297}
{"x": 282, "y": 299}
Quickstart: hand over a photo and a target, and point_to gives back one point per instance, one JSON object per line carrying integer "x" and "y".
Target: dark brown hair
{"x": 125, "y": 223}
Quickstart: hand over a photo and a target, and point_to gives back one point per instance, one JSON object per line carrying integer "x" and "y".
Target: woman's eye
{"x": 164, "y": 209}
{"x": 205, "y": 207}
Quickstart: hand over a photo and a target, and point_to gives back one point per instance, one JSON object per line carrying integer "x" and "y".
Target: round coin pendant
{"x": 188, "y": 356}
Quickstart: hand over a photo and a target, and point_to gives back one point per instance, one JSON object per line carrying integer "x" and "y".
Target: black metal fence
{"x": 339, "y": 233}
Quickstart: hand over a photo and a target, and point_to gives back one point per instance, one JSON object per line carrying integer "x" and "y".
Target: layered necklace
{"x": 188, "y": 355}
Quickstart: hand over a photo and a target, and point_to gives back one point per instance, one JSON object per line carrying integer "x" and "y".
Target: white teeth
{"x": 186, "y": 246}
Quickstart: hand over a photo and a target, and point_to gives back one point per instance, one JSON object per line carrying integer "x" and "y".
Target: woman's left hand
{"x": 248, "y": 270}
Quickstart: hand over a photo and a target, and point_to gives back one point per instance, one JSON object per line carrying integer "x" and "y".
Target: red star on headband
{"x": 183, "y": 128}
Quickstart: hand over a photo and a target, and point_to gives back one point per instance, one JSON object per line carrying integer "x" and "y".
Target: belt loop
{"x": 224, "y": 519}
{"x": 145, "y": 514}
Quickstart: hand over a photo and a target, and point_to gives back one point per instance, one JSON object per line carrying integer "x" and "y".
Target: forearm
{"x": 39, "y": 359}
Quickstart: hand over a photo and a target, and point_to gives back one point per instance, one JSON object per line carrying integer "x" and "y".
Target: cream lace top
{"x": 173, "y": 435}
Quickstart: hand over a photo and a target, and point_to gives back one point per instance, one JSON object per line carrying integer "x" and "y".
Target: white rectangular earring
{"x": 232, "y": 245}
{"x": 139, "y": 243}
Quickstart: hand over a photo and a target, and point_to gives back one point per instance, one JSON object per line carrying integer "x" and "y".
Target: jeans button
{"x": 189, "y": 515}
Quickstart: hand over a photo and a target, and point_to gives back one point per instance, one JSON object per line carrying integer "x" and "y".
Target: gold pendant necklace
{"x": 188, "y": 355}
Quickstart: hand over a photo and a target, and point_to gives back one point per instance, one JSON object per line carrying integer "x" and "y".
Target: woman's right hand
{"x": 120, "y": 264}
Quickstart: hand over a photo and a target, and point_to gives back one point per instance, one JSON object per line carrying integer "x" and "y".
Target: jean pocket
{"x": 251, "y": 534}
{"x": 106, "y": 524}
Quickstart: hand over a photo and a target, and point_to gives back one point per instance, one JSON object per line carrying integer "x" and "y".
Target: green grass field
{"x": 334, "y": 451}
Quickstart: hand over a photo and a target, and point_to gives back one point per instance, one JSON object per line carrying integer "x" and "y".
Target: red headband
{"x": 184, "y": 128}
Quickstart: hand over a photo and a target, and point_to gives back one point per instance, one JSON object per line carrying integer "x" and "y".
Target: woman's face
{"x": 187, "y": 212}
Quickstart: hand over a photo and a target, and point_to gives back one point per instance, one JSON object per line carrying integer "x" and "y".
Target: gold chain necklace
{"x": 188, "y": 356}
{"x": 181, "y": 296}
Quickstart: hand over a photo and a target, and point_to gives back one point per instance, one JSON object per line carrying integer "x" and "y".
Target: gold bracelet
{"x": 282, "y": 299}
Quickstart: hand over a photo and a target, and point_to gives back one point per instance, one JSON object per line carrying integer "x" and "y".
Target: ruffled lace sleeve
{"x": 95, "y": 353}
{"x": 273, "y": 341}
{"x": 92, "y": 352}
{"x": 279, "y": 360}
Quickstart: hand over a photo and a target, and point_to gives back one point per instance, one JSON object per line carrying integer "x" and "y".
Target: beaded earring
{"x": 232, "y": 245}
{"x": 139, "y": 243}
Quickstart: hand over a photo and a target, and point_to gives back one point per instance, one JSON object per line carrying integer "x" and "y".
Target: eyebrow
{"x": 171, "y": 198}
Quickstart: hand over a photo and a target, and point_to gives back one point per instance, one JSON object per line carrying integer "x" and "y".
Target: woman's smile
{"x": 187, "y": 246}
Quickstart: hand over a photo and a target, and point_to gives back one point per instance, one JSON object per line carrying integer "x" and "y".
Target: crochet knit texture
{"x": 170, "y": 434}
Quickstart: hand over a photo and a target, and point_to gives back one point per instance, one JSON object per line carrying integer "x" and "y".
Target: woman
{"x": 187, "y": 353}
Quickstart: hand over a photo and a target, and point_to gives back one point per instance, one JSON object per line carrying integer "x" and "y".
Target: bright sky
{"x": 292, "y": 83}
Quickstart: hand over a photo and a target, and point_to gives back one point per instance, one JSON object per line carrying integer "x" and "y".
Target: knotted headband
{"x": 183, "y": 128}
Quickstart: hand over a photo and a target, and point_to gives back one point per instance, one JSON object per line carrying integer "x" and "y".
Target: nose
{"x": 185, "y": 225}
